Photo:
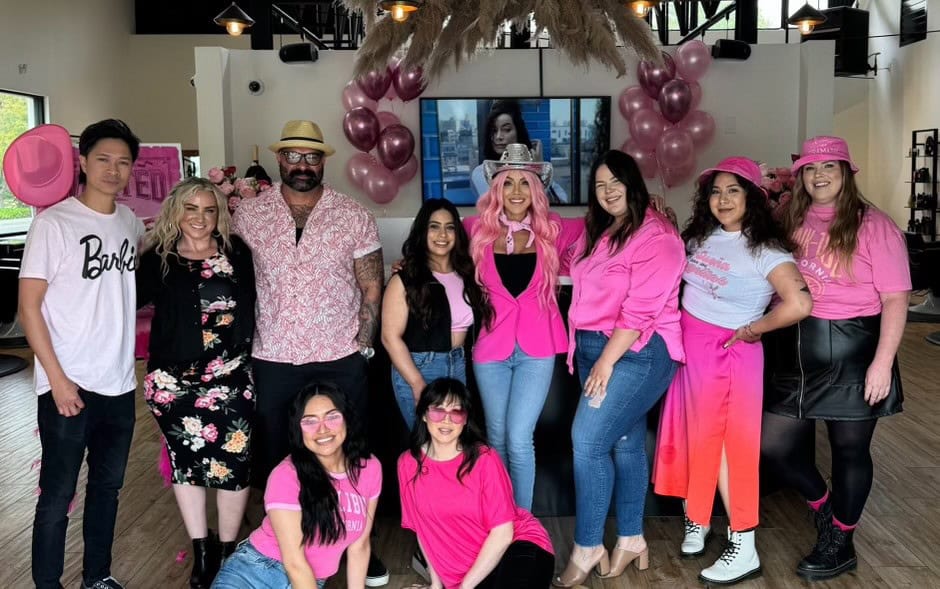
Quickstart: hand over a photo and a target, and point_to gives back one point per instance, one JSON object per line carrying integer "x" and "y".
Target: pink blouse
{"x": 634, "y": 288}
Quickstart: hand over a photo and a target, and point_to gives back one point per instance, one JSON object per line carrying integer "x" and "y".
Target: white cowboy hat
{"x": 517, "y": 157}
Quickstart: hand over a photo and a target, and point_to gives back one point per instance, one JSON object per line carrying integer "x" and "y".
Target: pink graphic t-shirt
{"x": 282, "y": 492}
{"x": 879, "y": 265}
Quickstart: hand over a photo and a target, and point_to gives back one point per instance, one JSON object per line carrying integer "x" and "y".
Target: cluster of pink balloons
{"x": 367, "y": 128}
{"x": 663, "y": 141}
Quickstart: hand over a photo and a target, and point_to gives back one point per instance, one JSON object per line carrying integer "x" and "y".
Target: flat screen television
{"x": 569, "y": 132}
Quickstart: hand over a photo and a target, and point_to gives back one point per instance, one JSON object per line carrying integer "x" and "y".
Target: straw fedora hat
{"x": 302, "y": 134}
{"x": 517, "y": 156}
{"x": 39, "y": 166}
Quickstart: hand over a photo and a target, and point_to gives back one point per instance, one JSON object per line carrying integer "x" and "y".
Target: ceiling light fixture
{"x": 400, "y": 10}
{"x": 234, "y": 20}
{"x": 806, "y": 19}
{"x": 641, "y": 7}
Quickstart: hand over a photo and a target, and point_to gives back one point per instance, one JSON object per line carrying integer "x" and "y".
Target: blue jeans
{"x": 431, "y": 365}
{"x": 610, "y": 441}
{"x": 513, "y": 392}
{"x": 105, "y": 427}
{"x": 247, "y": 568}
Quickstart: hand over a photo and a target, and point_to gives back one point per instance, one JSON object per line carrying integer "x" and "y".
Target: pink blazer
{"x": 539, "y": 332}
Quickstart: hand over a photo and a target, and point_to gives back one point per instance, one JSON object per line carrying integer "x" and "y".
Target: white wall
{"x": 83, "y": 57}
{"x": 899, "y": 100}
{"x": 764, "y": 106}
{"x": 74, "y": 54}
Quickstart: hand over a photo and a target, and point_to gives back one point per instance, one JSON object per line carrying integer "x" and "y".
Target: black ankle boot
{"x": 228, "y": 548}
{"x": 837, "y": 556}
{"x": 206, "y": 560}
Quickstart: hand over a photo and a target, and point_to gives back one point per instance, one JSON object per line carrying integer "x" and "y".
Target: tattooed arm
{"x": 369, "y": 276}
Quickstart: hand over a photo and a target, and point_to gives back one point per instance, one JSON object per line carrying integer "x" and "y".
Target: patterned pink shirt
{"x": 308, "y": 297}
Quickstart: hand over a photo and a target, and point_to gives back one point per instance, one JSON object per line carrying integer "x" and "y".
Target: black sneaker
{"x": 106, "y": 583}
{"x": 377, "y": 574}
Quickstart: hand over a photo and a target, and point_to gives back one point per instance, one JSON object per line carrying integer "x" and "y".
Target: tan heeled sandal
{"x": 622, "y": 558}
{"x": 573, "y": 575}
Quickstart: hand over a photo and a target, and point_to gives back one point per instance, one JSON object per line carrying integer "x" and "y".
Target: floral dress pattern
{"x": 205, "y": 408}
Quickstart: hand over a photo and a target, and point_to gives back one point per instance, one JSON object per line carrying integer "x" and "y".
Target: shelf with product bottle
{"x": 922, "y": 201}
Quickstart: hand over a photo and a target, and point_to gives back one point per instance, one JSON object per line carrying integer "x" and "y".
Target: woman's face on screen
{"x": 504, "y": 133}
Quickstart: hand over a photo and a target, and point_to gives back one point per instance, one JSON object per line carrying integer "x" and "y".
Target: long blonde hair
{"x": 166, "y": 229}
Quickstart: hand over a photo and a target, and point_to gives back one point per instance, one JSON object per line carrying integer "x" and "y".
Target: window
{"x": 18, "y": 114}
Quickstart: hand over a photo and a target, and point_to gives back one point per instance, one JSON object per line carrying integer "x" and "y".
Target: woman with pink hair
{"x": 519, "y": 247}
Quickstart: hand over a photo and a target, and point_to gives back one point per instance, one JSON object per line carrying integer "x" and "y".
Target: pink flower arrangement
{"x": 233, "y": 187}
{"x": 779, "y": 184}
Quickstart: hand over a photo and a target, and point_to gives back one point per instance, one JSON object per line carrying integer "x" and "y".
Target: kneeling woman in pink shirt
{"x": 456, "y": 496}
{"x": 624, "y": 322}
{"x": 320, "y": 502}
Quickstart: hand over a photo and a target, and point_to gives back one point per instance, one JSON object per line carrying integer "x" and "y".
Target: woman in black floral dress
{"x": 198, "y": 385}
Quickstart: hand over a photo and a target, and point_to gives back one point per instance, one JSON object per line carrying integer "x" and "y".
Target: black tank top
{"x": 515, "y": 270}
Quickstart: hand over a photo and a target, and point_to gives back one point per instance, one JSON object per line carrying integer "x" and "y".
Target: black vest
{"x": 435, "y": 336}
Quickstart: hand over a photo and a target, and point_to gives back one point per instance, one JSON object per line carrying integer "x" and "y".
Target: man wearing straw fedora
{"x": 319, "y": 269}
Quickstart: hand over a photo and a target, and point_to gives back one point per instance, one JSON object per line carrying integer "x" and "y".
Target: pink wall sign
{"x": 158, "y": 168}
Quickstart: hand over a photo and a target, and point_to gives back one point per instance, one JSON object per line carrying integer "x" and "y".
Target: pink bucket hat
{"x": 822, "y": 149}
{"x": 744, "y": 167}
{"x": 39, "y": 167}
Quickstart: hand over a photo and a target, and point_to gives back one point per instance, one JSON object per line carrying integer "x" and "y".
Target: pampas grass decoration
{"x": 444, "y": 32}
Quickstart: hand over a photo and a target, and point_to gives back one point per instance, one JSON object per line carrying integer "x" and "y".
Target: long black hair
{"x": 758, "y": 225}
{"x": 321, "y": 518}
{"x": 504, "y": 107}
{"x": 597, "y": 220}
{"x": 471, "y": 440}
{"x": 416, "y": 272}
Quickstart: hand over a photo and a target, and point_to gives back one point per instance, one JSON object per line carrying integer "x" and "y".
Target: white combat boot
{"x": 739, "y": 561}
{"x": 693, "y": 544}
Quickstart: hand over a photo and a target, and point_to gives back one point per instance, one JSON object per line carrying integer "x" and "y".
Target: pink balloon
{"x": 380, "y": 184}
{"x": 693, "y": 59}
{"x": 645, "y": 159}
{"x": 646, "y": 127}
{"x": 361, "y": 127}
{"x": 700, "y": 126}
{"x": 675, "y": 149}
{"x": 358, "y": 166}
{"x": 653, "y": 77}
{"x": 632, "y": 100}
{"x": 696, "y": 89}
{"x": 409, "y": 84}
{"x": 396, "y": 144}
{"x": 387, "y": 119}
{"x": 674, "y": 176}
{"x": 353, "y": 96}
{"x": 376, "y": 83}
{"x": 405, "y": 173}
{"x": 675, "y": 98}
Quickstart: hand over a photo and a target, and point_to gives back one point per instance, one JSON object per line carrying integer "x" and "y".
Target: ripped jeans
{"x": 610, "y": 439}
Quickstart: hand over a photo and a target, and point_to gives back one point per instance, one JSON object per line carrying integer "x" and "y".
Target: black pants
{"x": 105, "y": 427}
{"x": 523, "y": 566}
{"x": 276, "y": 385}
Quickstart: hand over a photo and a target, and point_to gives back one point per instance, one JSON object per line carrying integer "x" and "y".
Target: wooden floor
{"x": 898, "y": 541}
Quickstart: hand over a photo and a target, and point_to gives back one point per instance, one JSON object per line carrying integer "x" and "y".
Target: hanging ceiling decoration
{"x": 448, "y": 31}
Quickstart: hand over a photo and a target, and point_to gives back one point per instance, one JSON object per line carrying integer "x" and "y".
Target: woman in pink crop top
{"x": 840, "y": 364}
{"x": 320, "y": 502}
{"x": 431, "y": 304}
{"x": 518, "y": 247}
{"x": 456, "y": 496}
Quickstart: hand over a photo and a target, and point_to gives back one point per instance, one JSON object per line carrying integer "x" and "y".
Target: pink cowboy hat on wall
{"x": 38, "y": 166}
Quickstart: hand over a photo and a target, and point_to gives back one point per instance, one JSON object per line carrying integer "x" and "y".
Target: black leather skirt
{"x": 816, "y": 370}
